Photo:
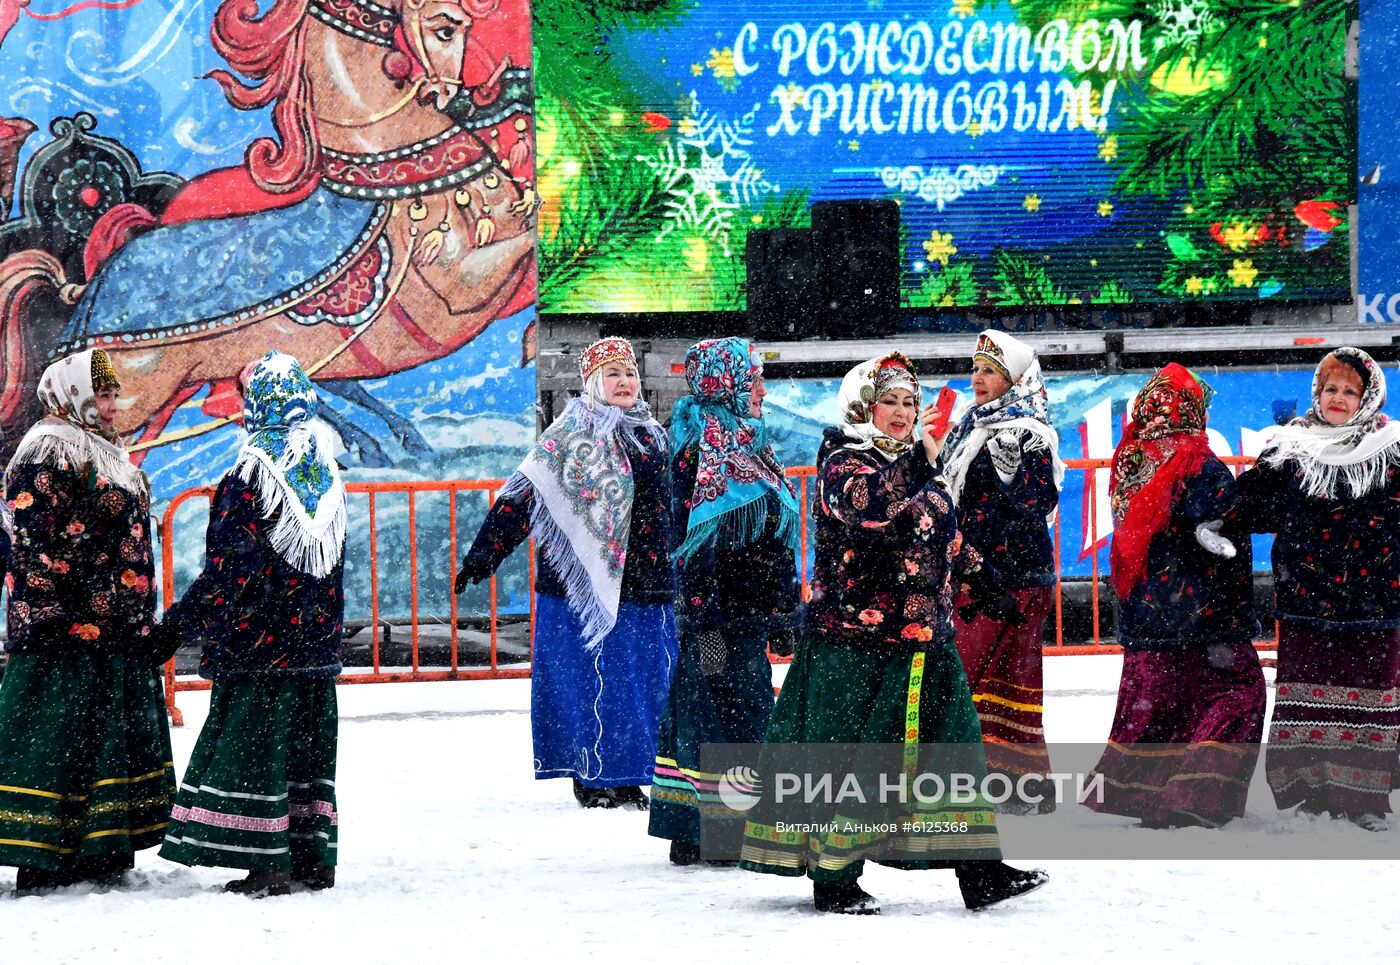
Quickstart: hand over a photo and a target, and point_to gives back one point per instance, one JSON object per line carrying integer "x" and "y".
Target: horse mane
{"x": 271, "y": 52}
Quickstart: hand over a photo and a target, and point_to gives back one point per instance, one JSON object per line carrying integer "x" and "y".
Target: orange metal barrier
{"x": 802, "y": 475}
{"x": 376, "y": 675}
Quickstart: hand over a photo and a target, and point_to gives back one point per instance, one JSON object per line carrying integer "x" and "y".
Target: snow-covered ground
{"x": 452, "y": 852}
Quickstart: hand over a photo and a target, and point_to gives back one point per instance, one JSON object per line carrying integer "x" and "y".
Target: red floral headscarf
{"x": 1163, "y": 446}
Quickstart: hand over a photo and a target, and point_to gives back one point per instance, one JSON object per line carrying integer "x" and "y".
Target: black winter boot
{"x": 848, "y": 899}
{"x": 630, "y": 797}
{"x": 262, "y": 884}
{"x": 987, "y": 883}
{"x": 315, "y": 877}
{"x": 684, "y": 854}
{"x": 39, "y": 881}
{"x": 593, "y": 797}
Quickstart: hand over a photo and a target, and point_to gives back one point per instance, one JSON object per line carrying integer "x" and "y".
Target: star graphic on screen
{"x": 1105, "y": 209}
{"x": 853, "y": 145}
{"x": 1244, "y": 273}
{"x": 940, "y": 247}
{"x": 1194, "y": 285}
{"x": 1032, "y": 203}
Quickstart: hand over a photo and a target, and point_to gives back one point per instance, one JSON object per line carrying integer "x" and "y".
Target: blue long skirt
{"x": 595, "y": 715}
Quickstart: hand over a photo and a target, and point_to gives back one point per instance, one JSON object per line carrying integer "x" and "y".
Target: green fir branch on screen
{"x": 580, "y": 90}
{"x": 1022, "y": 281}
{"x": 1112, "y": 293}
{"x": 1256, "y": 134}
{"x": 953, "y": 286}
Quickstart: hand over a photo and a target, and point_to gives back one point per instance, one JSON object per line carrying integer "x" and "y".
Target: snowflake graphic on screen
{"x": 1185, "y": 21}
{"x": 708, "y": 174}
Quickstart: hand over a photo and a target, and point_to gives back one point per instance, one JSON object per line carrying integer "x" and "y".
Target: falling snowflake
{"x": 708, "y": 174}
{"x": 1185, "y": 21}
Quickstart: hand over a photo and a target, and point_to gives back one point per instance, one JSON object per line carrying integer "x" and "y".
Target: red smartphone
{"x": 943, "y": 411}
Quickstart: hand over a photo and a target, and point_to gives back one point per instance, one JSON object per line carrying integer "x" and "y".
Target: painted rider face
{"x": 895, "y": 413}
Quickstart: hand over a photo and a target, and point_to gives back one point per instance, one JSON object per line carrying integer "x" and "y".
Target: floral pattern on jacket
{"x": 82, "y": 572}
{"x": 887, "y": 550}
{"x": 1336, "y": 561}
{"x": 1006, "y": 522}
{"x": 1190, "y": 598}
{"x": 256, "y": 613}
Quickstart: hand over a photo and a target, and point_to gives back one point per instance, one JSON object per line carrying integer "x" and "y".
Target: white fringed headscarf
{"x": 1346, "y": 460}
{"x": 1024, "y": 408}
{"x": 72, "y": 436}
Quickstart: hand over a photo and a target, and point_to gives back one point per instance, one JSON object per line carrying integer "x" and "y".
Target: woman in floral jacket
{"x": 85, "y": 778}
{"x": 878, "y": 664}
{"x": 259, "y": 792}
{"x": 1003, "y": 468}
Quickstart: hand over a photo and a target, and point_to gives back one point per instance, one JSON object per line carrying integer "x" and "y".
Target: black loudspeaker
{"x": 784, "y": 293}
{"x": 858, "y": 260}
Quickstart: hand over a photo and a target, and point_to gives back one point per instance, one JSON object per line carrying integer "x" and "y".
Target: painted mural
{"x": 187, "y": 183}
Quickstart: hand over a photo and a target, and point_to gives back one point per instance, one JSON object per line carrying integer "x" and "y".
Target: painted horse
{"x": 388, "y": 223}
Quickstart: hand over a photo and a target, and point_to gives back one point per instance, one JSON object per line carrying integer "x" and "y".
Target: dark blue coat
{"x": 756, "y": 585}
{"x": 257, "y": 614}
{"x": 1006, "y": 522}
{"x": 1193, "y": 599}
{"x": 1336, "y": 561}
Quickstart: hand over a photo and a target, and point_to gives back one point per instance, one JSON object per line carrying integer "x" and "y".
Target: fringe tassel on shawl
{"x": 578, "y": 588}
{"x": 1320, "y": 479}
{"x": 307, "y": 544}
{"x": 740, "y": 527}
{"x": 53, "y": 442}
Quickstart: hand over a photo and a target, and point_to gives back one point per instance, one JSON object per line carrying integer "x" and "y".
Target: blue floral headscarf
{"x": 288, "y": 461}
{"x": 739, "y": 480}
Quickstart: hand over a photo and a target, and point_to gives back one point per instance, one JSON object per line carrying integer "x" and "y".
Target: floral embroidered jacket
{"x": 755, "y": 584}
{"x": 887, "y": 550}
{"x": 82, "y": 572}
{"x": 1336, "y": 561}
{"x": 1192, "y": 599}
{"x": 257, "y": 614}
{"x": 648, "y": 575}
{"x": 1006, "y": 522}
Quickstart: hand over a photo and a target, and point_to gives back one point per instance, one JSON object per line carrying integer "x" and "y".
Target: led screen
{"x": 1043, "y": 152}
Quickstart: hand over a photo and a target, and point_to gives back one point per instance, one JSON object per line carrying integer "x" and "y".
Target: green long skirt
{"x": 840, "y": 695}
{"x": 86, "y": 778}
{"x": 259, "y": 793}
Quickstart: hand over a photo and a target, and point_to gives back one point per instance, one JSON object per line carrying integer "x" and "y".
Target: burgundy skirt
{"x": 1333, "y": 741}
{"x": 1004, "y": 672}
{"x": 1185, "y": 734}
